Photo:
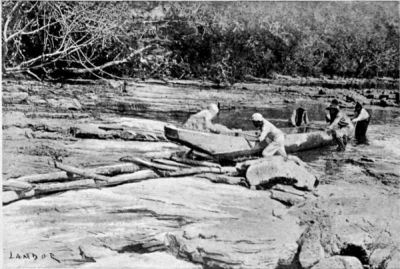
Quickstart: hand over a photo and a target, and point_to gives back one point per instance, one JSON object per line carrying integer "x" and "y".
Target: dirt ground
{"x": 354, "y": 212}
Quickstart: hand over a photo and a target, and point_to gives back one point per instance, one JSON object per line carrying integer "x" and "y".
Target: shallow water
{"x": 278, "y": 115}
{"x": 329, "y": 164}
{"x": 240, "y": 118}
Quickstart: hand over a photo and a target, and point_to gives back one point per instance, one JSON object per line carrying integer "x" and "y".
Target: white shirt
{"x": 269, "y": 130}
{"x": 362, "y": 116}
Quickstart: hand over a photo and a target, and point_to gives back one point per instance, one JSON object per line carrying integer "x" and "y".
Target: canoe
{"x": 229, "y": 147}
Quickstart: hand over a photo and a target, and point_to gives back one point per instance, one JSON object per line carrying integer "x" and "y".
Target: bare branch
{"x": 9, "y": 17}
{"x": 112, "y": 63}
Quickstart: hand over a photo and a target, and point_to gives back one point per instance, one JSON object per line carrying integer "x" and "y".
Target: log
{"x": 288, "y": 189}
{"x": 216, "y": 178}
{"x": 198, "y": 170}
{"x": 54, "y": 176}
{"x": 73, "y": 185}
{"x": 15, "y": 185}
{"x": 286, "y": 198}
{"x": 152, "y": 155}
{"x": 82, "y": 172}
{"x": 9, "y": 196}
{"x": 133, "y": 177}
{"x": 146, "y": 163}
{"x": 194, "y": 162}
{"x": 170, "y": 162}
{"x": 120, "y": 168}
{"x": 110, "y": 170}
{"x": 12, "y": 196}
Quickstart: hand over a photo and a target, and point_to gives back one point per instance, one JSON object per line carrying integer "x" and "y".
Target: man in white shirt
{"x": 361, "y": 121}
{"x": 271, "y": 135}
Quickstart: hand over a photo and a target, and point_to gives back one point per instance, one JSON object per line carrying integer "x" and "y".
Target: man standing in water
{"x": 299, "y": 117}
{"x": 269, "y": 133}
{"x": 361, "y": 121}
{"x": 340, "y": 125}
{"x": 202, "y": 121}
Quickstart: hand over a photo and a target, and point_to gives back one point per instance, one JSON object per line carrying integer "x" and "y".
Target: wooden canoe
{"x": 229, "y": 147}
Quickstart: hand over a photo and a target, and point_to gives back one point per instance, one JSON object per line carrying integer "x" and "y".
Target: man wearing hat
{"x": 269, "y": 133}
{"x": 202, "y": 121}
{"x": 340, "y": 125}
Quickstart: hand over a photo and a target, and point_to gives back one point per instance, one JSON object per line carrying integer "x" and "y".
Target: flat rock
{"x": 274, "y": 170}
{"x": 159, "y": 220}
{"x": 339, "y": 262}
{"x": 15, "y": 97}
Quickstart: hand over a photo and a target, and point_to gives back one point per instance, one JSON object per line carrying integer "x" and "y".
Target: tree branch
{"x": 112, "y": 63}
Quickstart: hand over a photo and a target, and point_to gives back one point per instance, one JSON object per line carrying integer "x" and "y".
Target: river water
{"x": 279, "y": 115}
{"x": 383, "y": 144}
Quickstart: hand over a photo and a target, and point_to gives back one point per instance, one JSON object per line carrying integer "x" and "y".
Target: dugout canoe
{"x": 229, "y": 147}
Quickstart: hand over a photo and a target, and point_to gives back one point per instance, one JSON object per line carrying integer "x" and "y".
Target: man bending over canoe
{"x": 271, "y": 135}
{"x": 340, "y": 125}
{"x": 202, "y": 121}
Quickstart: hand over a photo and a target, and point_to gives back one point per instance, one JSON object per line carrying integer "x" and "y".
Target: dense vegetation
{"x": 221, "y": 41}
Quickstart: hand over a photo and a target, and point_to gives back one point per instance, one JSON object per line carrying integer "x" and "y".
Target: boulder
{"x": 339, "y": 262}
{"x": 273, "y": 170}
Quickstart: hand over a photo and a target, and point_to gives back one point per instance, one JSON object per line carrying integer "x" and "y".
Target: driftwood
{"x": 15, "y": 185}
{"x": 133, "y": 177}
{"x": 288, "y": 189}
{"x": 12, "y": 196}
{"x": 158, "y": 154}
{"x": 62, "y": 176}
{"x": 54, "y": 176}
{"x": 216, "y": 178}
{"x": 82, "y": 172}
{"x": 170, "y": 162}
{"x": 146, "y": 163}
{"x": 194, "y": 162}
{"x": 197, "y": 170}
{"x": 73, "y": 185}
{"x": 286, "y": 198}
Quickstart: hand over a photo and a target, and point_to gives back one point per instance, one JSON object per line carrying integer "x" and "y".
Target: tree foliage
{"x": 222, "y": 41}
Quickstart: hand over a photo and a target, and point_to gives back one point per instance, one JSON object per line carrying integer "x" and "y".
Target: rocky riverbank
{"x": 351, "y": 219}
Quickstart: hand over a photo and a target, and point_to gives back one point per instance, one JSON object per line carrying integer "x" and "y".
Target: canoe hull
{"x": 229, "y": 147}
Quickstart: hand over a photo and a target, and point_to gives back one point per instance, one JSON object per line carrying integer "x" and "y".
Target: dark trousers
{"x": 361, "y": 130}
